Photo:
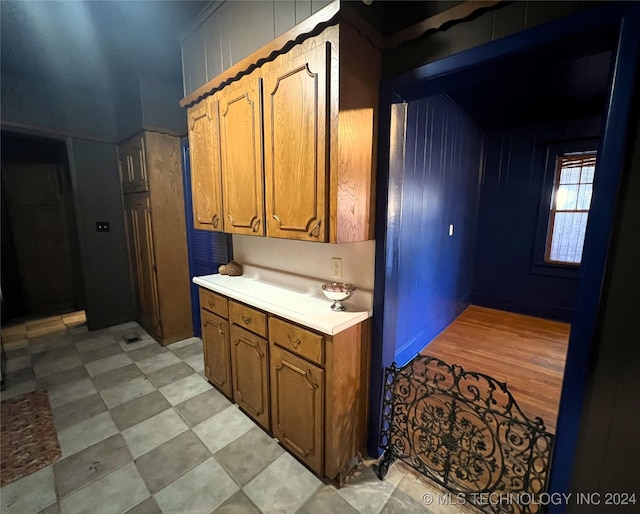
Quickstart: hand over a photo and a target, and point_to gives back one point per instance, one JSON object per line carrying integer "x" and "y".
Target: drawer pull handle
{"x": 246, "y": 319}
{"x": 256, "y": 225}
{"x": 221, "y": 332}
{"x": 212, "y": 303}
{"x": 316, "y": 229}
{"x": 216, "y": 220}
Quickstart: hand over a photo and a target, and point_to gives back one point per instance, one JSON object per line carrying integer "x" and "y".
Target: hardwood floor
{"x": 525, "y": 352}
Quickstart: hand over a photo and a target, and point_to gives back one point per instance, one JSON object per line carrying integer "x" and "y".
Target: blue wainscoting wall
{"x": 509, "y": 269}
{"x": 433, "y": 184}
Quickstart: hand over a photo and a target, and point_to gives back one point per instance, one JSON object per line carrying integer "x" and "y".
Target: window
{"x": 569, "y": 209}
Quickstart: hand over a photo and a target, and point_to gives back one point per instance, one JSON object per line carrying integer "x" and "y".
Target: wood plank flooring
{"x": 525, "y": 352}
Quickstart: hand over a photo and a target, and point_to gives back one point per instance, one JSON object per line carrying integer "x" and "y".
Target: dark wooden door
{"x": 39, "y": 224}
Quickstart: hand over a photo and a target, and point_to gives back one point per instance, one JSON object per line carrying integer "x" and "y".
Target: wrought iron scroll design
{"x": 465, "y": 431}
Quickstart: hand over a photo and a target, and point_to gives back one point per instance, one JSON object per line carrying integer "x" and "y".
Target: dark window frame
{"x": 539, "y": 263}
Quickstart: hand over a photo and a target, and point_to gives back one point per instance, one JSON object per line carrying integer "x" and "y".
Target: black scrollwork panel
{"x": 465, "y": 431}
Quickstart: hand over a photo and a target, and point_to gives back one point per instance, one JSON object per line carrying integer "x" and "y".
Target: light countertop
{"x": 300, "y": 305}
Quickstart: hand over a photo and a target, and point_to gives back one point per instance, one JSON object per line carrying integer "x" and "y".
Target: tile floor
{"x": 141, "y": 431}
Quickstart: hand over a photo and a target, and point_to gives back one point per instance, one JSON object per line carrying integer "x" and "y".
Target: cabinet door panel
{"x": 217, "y": 363}
{"x": 241, "y": 152}
{"x": 133, "y": 167}
{"x": 250, "y": 371}
{"x": 138, "y": 219}
{"x": 297, "y": 392}
{"x": 205, "y": 165}
{"x": 296, "y": 146}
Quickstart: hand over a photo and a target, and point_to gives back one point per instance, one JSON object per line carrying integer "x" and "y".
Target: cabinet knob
{"x": 256, "y": 225}
{"x": 277, "y": 218}
{"x": 246, "y": 319}
{"x": 221, "y": 332}
{"x": 216, "y": 220}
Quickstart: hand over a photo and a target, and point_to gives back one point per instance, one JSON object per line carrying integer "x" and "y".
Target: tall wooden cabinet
{"x": 153, "y": 201}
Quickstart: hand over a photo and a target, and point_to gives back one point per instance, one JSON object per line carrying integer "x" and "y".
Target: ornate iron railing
{"x": 465, "y": 431}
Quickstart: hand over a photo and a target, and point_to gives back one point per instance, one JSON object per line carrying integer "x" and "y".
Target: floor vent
{"x": 131, "y": 338}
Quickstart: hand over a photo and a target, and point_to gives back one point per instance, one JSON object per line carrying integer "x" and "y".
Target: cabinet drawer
{"x": 297, "y": 340}
{"x": 246, "y": 317}
{"x": 213, "y": 302}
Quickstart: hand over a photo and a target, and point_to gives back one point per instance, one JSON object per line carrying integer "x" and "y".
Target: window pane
{"x": 566, "y": 198}
{"x": 587, "y": 174}
{"x": 570, "y": 175}
{"x": 567, "y": 239}
{"x": 584, "y": 197}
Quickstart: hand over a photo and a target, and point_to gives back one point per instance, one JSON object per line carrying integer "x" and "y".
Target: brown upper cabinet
{"x": 240, "y": 108}
{"x": 206, "y": 181}
{"x": 314, "y": 107}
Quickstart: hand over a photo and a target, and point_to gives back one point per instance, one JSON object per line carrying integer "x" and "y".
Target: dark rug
{"x": 28, "y": 437}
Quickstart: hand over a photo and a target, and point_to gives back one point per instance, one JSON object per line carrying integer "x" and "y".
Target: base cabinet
{"x": 250, "y": 371}
{"x": 215, "y": 338}
{"x": 297, "y": 392}
{"x": 309, "y": 390}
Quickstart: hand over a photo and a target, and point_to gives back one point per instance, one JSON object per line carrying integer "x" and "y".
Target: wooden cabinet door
{"x": 250, "y": 372}
{"x": 133, "y": 166}
{"x": 296, "y": 145}
{"x": 140, "y": 233}
{"x": 204, "y": 154}
{"x": 240, "y": 114}
{"x": 215, "y": 340}
{"x": 297, "y": 392}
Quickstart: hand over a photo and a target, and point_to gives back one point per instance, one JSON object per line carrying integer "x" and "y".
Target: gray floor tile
{"x": 90, "y": 464}
{"x": 55, "y": 361}
{"x": 151, "y": 433}
{"x": 130, "y": 390}
{"x": 192, "y": 492}
{"x": 196, "y": 362}
{"x": 284, "y": 486}
{"x": 203, "y": 406}
{"x": 60, "y": 379}
{"x": 86, "y": 433}
{"x": 326, "y": 499}
{"x": 45, "y": 344}
{"x": 149, "y": 506}
{"x": 18, "y": 364}
{"x": 157, "y": 362}
{"x": 248, "y": 455}
{"x": 400, "y": 502}
{"x": 20, "y": 376}
{"x": 134, "y": 411}
{"x": 51, "y": 509}
{"x": 146, "y": 352}
{"x": 13, "y": 391}
{"x": 107, "y": 364}
{"x": 172, "y": 459}
{"x": 184, "y": 389}
{"x": 99, "y": 353}
{"x": 71, "y": 391}
{"x": 30, "y": 494}
{"x": 74, "y": 412}
{"x": 124, "y": 327}
{"x": 170, "y": 374}
{"x": 114, "y": 493}
{"x": 365, "y": 491}
{"x": 116, "y": 376}
{"x": 184, "y": 342}
{"x": 16, "y": 353}
{"x": 239, "y": 503}
{"x": 218, "y": 431}
{"x": 92, "y": 341}
{"x": 189, "y": 350}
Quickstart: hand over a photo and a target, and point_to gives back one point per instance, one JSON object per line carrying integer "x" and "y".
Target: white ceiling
{"x": 89, "y": 45}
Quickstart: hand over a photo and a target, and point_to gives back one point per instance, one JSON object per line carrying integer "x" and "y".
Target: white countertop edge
{"x": 325, "y": 321}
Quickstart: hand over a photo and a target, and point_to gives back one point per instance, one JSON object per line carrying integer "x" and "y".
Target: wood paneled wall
{"x": 433, "y": 184}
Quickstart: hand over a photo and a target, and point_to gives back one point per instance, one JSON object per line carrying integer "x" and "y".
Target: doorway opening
{"x": 41, "y": 269}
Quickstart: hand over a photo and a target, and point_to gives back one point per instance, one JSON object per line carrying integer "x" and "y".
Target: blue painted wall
{"x": 508, "y": 274}
{"x": 433, "y": 186}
